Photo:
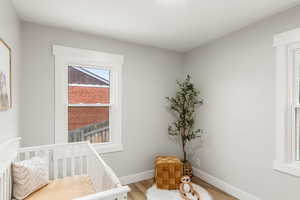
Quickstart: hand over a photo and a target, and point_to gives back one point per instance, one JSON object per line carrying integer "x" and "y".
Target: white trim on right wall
{"x": 287, "y": 46}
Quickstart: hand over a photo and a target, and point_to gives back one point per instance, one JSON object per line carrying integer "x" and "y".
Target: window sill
{"x": 288, "y": 168}
{"x": 108, "y": 147}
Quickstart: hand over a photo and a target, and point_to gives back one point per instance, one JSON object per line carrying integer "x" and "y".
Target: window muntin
{"x": 88, "y": 104}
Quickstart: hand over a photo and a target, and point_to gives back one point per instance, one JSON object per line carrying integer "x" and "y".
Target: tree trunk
{"x": 183, "y": 149}
{"x": 184, "y": 157}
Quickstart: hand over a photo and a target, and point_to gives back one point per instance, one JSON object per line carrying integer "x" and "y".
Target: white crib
{"x": 64, "y": 160}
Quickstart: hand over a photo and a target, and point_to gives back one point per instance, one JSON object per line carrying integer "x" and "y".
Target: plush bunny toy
{"x": 186, "y": 189}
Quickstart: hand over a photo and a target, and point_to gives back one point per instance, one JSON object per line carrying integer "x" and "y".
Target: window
{"x": 88, "y": 98}
{"x": 288, "y": 102}
{"x": 88, "y": 104}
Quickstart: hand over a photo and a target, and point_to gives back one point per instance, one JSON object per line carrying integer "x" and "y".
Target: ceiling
{"x": 172, "y": 24}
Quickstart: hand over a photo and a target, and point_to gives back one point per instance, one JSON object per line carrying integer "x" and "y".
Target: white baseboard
{"x": 125, "y": 180}
{"x": 222, "y": 185}
{"x": 226, "y": 187}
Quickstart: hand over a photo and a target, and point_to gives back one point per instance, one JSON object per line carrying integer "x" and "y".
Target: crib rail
{"x": 119, "y": 193}
{"x": 64, "y": 159}
{"x": 79, "y": 159}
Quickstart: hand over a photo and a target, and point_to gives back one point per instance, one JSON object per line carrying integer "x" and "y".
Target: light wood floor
{"x": 138, "y": 190}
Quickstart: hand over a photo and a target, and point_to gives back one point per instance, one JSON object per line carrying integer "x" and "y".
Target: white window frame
{"x": 287, "y": 46}
{"x": 65, "y": 57}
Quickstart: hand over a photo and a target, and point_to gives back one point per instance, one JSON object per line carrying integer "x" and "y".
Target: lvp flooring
{"x": 139, "y": 189}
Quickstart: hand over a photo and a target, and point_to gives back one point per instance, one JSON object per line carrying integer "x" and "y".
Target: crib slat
{"x": 95, "y": 167}
{"x": 73, "y": 161}
{"x": 82, "y": 164}
{"x": 72, "y": 170}
{"x": 80, "y": 160}
{"x": 1, "y": 186}
{"x": 5, "y": 185}
{"x": 68, "y": 156}
{"x": 8, "y": 184}
{"x": 47, "y": 158}
{"x": 79, "y": 166}
{"x": 19, "y": 156}
{"x": 61, "y": 158}
{"x": 26, "y": 155}
{"x": 64, "y": 167}
{"x": 83, "y": 160}
{"x": 31, "y": 154}
{"x": 87, "y": 163}
{"x": 55, "y": 165}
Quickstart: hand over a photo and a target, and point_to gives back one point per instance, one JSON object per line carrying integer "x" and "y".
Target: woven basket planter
{"x": 187, "y": 169}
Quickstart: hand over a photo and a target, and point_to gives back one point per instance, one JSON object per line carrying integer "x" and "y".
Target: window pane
{"x": 88, "y": 124}
{"x": 88, "y": 85}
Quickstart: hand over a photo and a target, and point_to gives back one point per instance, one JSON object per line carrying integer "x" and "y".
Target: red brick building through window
{"x": 87, "y": 87}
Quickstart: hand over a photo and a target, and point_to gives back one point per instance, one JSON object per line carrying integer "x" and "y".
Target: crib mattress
{"x": 67, "y": 188}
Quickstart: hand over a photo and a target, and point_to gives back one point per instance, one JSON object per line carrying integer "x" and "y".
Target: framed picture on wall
{"x": 5, "y": 76}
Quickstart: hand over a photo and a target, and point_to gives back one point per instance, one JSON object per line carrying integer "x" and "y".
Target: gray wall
{"x": 149, "y": 75}
{"x": 9, "y": 32}
{"x": 236, "y": 75}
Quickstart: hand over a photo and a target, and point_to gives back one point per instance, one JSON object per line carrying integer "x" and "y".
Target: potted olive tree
{"x": 184, "y": 105}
